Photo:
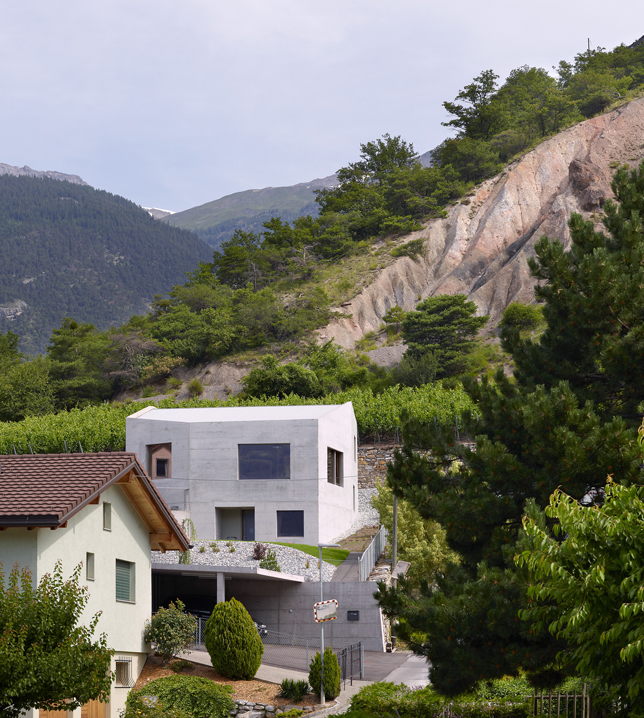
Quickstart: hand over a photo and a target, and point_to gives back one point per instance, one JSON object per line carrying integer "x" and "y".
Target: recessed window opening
{"x": 89, "y": 566}
{"x": 107, "y": 516}
{"x": 162, "y": 468}
{"x": 124, "y": 676}
{"x": 290, "y": 523}
{"x": 264, "y": 461}
{"x": 334, "y": 463}
{"x": 124, "y": 581}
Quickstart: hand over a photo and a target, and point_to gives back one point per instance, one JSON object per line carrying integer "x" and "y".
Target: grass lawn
{"x": 332, "y": 555}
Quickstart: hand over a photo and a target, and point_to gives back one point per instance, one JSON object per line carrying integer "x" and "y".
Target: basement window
{"x": 124, "y": 674}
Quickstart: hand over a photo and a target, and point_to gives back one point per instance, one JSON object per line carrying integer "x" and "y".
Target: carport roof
{"x": 236, "y": 413}
{"x": 241, "y": 572}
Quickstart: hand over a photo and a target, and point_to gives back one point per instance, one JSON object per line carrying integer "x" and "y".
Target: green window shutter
{"x": 124, "y": 581}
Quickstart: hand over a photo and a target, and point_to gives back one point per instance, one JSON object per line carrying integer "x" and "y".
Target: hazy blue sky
{"x": 173, "y": 103}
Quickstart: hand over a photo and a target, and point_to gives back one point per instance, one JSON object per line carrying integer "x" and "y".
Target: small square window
{"x": 162, "y": 468}
{"x": 123, "y": 672}
{"x": 125, "y": 581}
{"x": 89, "y": 566}
{"x": 290, "y": 523}
{"x": 107, "y": 516}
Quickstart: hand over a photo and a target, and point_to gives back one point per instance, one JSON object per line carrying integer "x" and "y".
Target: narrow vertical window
{"x": 354, "y": 498}
{"x": 124, "y": 581}
{"x": 89, "y": 566}
{"x": 334, "y": 463}
{"x": 107, "y": 516}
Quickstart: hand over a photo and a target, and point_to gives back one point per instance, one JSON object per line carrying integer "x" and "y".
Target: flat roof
{"x": 237, "y": 413}
{"x": 243, "y": 572}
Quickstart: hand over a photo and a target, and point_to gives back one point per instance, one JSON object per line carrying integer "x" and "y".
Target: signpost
{"x": 330, "y": 613}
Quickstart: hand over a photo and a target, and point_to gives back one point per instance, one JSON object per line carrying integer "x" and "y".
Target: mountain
{"x": 67, "y": 249}
{"x": 49, "y": 174}
{"x": 481, "y": 248}
{"x": 216, "y": 221}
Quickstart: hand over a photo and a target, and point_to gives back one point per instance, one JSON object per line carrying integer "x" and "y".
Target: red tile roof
{"x": 48, "y": 489}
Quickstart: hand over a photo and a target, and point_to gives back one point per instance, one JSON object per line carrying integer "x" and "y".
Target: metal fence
{"x": 287, "y": 651}
{"x": 573, "y": 704}
{"x": 369, "y": 558}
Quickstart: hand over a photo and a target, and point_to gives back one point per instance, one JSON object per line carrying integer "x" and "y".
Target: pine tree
{"x": 568, "y": 418}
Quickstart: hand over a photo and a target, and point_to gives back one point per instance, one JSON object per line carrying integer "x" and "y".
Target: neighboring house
{"x": 269, "y": 473}
{"x": 103, "y": 511}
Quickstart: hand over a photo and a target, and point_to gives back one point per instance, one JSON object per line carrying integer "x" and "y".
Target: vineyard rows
{"x": 102, "y": 428}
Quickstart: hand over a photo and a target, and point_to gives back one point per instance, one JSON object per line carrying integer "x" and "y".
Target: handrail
{"x": 370, "y": 557}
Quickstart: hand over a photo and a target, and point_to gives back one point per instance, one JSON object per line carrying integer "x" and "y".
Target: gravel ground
{"x": 291, "y": 560}
{"x": 367, "y": 515}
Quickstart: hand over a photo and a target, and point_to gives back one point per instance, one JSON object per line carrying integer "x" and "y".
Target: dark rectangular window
{"x": 162, "y": 468}
{"x": 107, "y": 516}
{"x": 334, "y": 464}
{"x": 290, "y": 523}
{"x": 264, "y": 461}
{"x": 89, "y": 566}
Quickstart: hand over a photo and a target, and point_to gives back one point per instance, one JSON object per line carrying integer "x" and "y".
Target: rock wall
{"x": 481, "y": 248}
{"x": 372, "y": 463}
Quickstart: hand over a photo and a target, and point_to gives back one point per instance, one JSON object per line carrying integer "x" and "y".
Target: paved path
{"x": 413, "y": 672}
{"x": 348, "y": 570}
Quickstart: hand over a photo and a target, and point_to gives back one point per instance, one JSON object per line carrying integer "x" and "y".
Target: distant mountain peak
{"x": 158, "y": 213}
{"x": 26, "y": 171}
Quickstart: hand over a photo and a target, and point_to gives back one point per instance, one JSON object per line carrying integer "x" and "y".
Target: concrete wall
{"x": 205, "y": 460}
{"x": 288, "y": 608}
{"x": 128, "y": 540}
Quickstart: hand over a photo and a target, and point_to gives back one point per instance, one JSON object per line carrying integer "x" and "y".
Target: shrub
{"x": 181, "y": 665}
{"x": 259, "y": 551}
{"x": 292, "y": 713}
{"x": 294, "y": 690}
{"x": 232, "y": 641}
{"x": 409, "y": 249}
{"x": 195, "y": 388}
{"x": 521, "y": 316}
{"x": 332, "y": 674}
{"x": 198, "y": 697}
{"x": 382, "y": 700}
{"x": 138, "y": 706}
{"x": 269, "y": 562}
{"x": 171, "y": 631}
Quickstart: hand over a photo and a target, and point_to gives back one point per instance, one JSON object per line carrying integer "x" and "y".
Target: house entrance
{"x": 235, "y": 524}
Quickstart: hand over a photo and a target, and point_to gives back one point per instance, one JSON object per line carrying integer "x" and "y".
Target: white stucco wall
{"x": 128, "y": 540}
{"x": 205, "y": 460}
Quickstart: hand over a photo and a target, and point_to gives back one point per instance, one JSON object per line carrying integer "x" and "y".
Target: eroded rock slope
{"x": 481, "y": 248}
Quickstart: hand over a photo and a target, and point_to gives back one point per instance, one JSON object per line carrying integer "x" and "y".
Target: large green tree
{"x": 586, "y": 588}
{"x": 445, "y": 326}
{"x": 567, "y": 419}
{"x": 48, "y": 660}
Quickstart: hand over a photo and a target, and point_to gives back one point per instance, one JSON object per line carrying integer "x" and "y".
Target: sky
{"x": 174, "y": 103}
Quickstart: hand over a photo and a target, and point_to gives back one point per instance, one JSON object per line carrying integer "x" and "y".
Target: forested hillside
{"x": 70, "y": 250}
{"x": 215, "y": 222}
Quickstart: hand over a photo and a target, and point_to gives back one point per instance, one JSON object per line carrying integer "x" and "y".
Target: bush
{"x": 269, "y": 562}
{"x": 521, "y": 316}
{"x": 197, "y": 697}
{"x": 179, "y": 666}
{"x": 294, "y": 690}
{"x": 195, "y": 388}
{"x": 259, "y": 551}
{"x": 409, "y": 249}
{"x": 332, "y": 674}
{"x": 232, "y": 641}
{"x": 170, "y": 631}
{"x": 138, "y": 706}
{"x": 382, "y": 700}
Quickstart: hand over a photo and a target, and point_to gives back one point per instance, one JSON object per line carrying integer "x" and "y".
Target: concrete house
{"x": 269, "y": 473}
{"x": 103, "y": 511}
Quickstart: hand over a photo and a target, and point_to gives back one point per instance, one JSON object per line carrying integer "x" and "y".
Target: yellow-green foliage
{"x": 102, "y": 428}
{"x": 421, "y": 542}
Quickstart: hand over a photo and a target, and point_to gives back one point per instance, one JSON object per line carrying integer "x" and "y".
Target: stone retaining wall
{"x": 248, "y": 709}
{"x": 372, "y": 463}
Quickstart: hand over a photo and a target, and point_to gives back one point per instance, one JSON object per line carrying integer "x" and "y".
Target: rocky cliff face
{"x": 28, "y": 172}
{"x": 481, "y": 248}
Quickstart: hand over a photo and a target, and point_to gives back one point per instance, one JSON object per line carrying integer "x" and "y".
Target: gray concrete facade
{"x": 284, "y": 605}
{"x": 205, "y": 461}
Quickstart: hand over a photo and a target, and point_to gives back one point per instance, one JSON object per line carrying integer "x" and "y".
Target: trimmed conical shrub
{"x": 232, "y": 641}
{"x": 332, "y": 674}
